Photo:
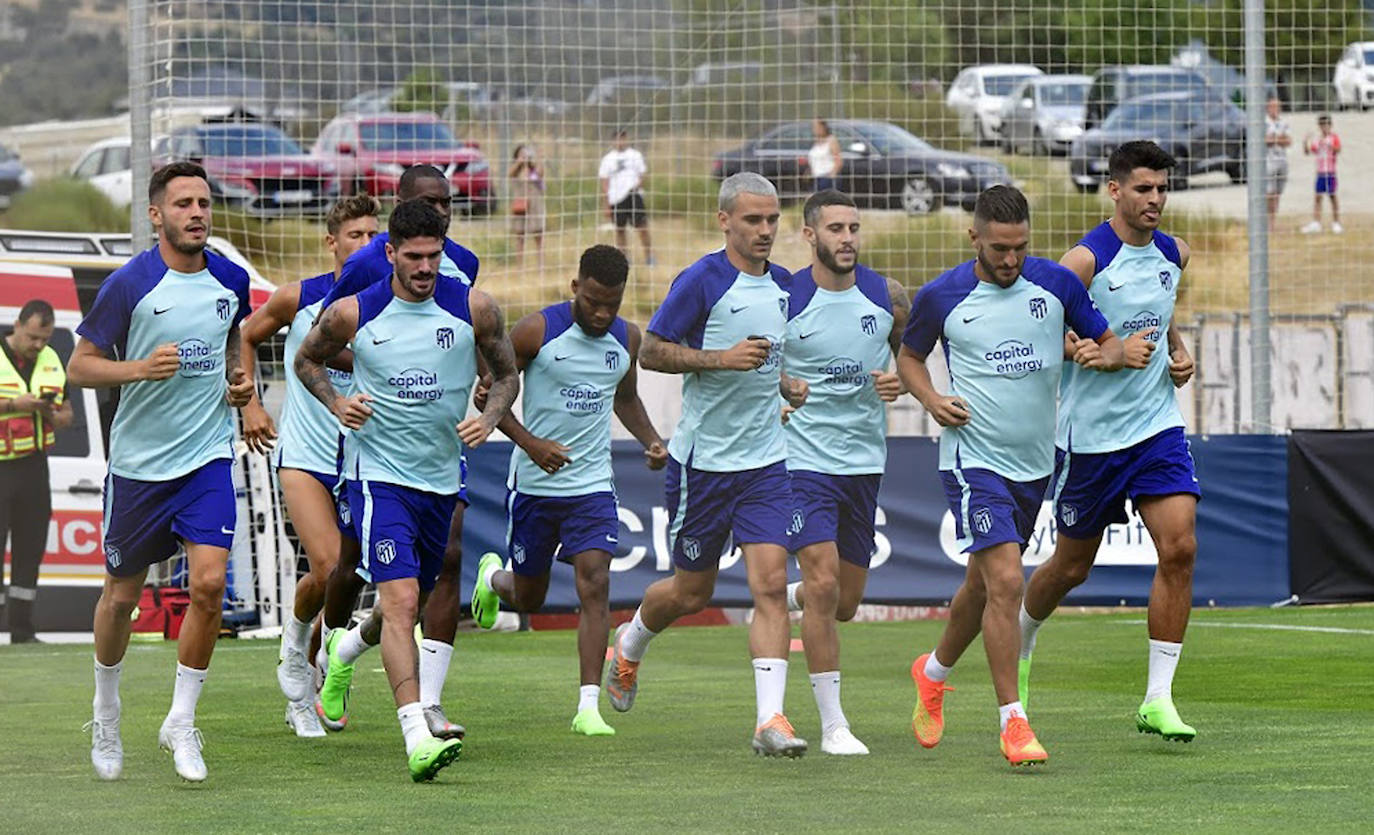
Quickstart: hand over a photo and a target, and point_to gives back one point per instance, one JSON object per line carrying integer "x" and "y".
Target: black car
{"x": 1203, "y": 133}
{"x": 1113, "y": 85}
{"x": 884, "y": 166}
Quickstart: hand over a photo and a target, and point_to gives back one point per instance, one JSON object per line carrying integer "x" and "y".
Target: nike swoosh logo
{"x": 430, "y": 651}
{"x": 612, "y": 540}
{"x": 1112, "y": 288}
{"x": 225, "y": 531}
{"x": 560, "y": 359}
{"x": 805, "y": 335}
{"x": 968, "y": 319}
{"x": 157, "y": 312}
{"x": 376, "y": 341}
{"x": 737, "y": 309}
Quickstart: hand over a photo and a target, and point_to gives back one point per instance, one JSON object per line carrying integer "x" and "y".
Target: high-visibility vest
{"x": 19, "y": 430}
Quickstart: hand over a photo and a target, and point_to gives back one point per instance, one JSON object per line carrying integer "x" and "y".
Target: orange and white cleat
{"x": 928, "y": 719}
{"x": 623, "y": 681}
{"x": 1019, "y": 744}
{"x": 775, "y": 738}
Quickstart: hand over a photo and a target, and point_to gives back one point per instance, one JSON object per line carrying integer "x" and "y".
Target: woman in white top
{"x": 824, "y": 160}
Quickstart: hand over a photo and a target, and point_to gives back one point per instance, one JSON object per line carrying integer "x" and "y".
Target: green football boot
{"x": 485, "y": 603}
{"x": 332, "y": 702}
{"x": 433, "y": 755}
{"x": 1158, "y": 716}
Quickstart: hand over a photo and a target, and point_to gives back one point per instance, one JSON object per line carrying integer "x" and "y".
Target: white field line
{"x": 1278, "y": 627}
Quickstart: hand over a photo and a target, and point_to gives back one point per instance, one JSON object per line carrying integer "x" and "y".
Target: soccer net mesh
{"x": 928, "y": 102}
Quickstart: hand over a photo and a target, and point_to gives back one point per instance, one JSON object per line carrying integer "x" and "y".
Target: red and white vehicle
{"x": 66, "y": 270}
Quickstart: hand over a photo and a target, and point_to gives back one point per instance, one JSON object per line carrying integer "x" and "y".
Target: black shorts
{"x": 630, "y": 212}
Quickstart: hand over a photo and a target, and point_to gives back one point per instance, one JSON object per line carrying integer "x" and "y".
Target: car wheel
{"x": 1040, "y": 144}
{"x": 1008, "y": 147}
{"x": 1236, "y": 171}
{"x": 1178, "y": 179}
{"x": 919, "y": 197}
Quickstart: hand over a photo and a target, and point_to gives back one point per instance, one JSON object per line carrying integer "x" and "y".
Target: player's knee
{"x": 822, "y": 593}
{"x": 1177, "y": 554}
{"x": 321, "y": 570}
{"x": 593, "y": 585}
{"x": 1073, "y": 572}
{"x": 207, "y": 592}
{"x": 120, "y": 601}
{"x": 1005, "y": 584}
{"x": 528, "y": 600}
{"x": 691, "y": 601}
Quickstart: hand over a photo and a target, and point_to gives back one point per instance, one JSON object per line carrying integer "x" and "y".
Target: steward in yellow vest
{"x": 32, "y": 405}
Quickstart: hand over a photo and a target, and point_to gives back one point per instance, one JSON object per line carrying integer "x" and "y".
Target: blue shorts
{"x": 144, "y": 519}
{"x": 990, "y": 509}
{"x": 705, "y": 508}
{"x": 1326, "y": 183}
{"x": 334, "y": 484}
{"x": 401, "y": 531}
{"x": 542, "y": 526}
{"x": 345, "y": 518}
{"x": 835, "y": 508}
{"x": 1090, "y": 489}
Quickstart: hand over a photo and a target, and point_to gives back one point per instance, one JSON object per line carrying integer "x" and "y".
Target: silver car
{"x": 1044, "y": 115}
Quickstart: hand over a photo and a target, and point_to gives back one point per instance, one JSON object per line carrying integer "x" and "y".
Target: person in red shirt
{"x": 1325, "y": 148}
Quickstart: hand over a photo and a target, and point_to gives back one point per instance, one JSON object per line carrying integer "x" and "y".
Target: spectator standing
{"x": 622, "y": 182}
{"x": 1324, "y": 147}
{"x": 32, "y": 405}
{"x": 824, "y": 160}
{"x": 1277, "y": 138}
{"x": 528, "y": 218}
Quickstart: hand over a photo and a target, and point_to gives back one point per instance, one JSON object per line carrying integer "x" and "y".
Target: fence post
{"x": 140, "y": 124}
{"x": 1256, "y": 97}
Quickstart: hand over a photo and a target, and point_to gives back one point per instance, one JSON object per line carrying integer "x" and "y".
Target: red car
{"x": 370, "y": 150}
{"x": 255, "y": 168}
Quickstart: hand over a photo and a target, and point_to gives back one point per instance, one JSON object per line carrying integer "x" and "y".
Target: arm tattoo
{"x": 233, "y": 351}
{"x": 658, "y": 354}
{"x": 495, "y": 347}
{"x": 329, "y": 336}
{"x": 901, "y": 310}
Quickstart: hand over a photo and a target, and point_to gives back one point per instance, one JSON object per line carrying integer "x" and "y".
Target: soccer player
{"x": 1001, "y": 317}
{"x": 579, "y": 364}
{"x": 306, "y": 456}
{"x": 845, "y": 322}
{"x": 1122, "y": 435}
{"x": 370, "y": 265}
{"x": 722, "y": 326}
{"x": 415, "y": 343}
{"x": 171, "y": 318}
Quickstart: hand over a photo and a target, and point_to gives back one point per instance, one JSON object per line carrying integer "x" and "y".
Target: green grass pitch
{"x": 1285, "y": 739}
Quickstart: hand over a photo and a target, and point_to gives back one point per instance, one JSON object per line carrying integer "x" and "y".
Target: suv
{"x": 370, "y": 151}
{"x": 255, "y": 168}
{"x": 1202, "y": 132}
{"x": 1044, "y": 114}
{"x": 1113, "y": 85}
{"x": 1353, "y": 78}
{"x": 977, "y": 95}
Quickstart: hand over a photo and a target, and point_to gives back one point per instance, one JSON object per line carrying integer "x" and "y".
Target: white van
{"x": 66, "y": 270}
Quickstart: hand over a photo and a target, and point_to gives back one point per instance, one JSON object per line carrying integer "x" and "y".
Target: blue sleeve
{"x": 245, "y": 303}
{"x": 1080, "y": 312}
{"x": 355, "y": 277}
{"x": 463, "y": 258}
{"x": 683, "y": 312}
{"x": 107, "y": 322}
{"x": 929, "y": 310}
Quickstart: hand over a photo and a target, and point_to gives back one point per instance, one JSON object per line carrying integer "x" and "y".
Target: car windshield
{"x": 1152, "y": 115}
{"x": 1369, "y": 56}
{"x": 890, "y": 140}
{"x": 405, "y": 136}
{"x": 248, "y": 142}
{"x": 1064, "y": 94}
{"x": 1162, "y": 82}
{"x": 1002, "y": 85}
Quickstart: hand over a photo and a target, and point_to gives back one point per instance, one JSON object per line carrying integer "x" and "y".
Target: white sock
{"x": 413, "y": 725}
{"x": 106, "y": 702}
{"x": 185, "y": 694}
{"x": 1009, "y": 710}
{"x": 485, "y": 577}
{"x": 636, "y": 639}
{"x": 587, "y": 697}
{"x": 793, "y": 604}
{"x": 935, "y": 671}
{"x": 352, "y": 645}
{"x": 1163, "y": 662}
{"x": 826, "y": 688}
{"x": 434, "y": 660}
{"x": 322, "y": 655}
{"x": 294, "y": 636}
{"x": 770, "y": 684}
{"x": 1029, "y": 627}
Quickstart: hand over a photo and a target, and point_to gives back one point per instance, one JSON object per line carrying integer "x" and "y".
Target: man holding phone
{"x": 32, "y": 405}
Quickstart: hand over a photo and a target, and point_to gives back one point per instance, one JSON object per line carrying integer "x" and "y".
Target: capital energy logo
{"x": 197, "y": 358}
{"x": 582, "y": 399}
{"x": 843, "y": 373}
{"x": 1014, "y": 359}
{"x": 774, "y": 358}
{"x": 1144, "y": 320}
{"x": 417, "y": 384}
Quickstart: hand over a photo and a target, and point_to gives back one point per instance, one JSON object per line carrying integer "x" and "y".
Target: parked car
{"x": 370, "y": 152}
{"x": 1353, "y": 78}
{"x": 1113, "y": 85}
{"x": 1226, "y": 81}
{"x": 255, "y": 168}
{"x": 1044, "y": 114}
{"x": 884, "y": 166}
{"x": 977, "y": 93}
{"x": 376, "y": 100}
{"x": 617, "y": 89}
{"x": 14, "y": 177}
{"x": 1203, "y": 132}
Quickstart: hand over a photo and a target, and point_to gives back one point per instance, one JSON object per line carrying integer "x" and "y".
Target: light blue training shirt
{"x": 309, "y": 435}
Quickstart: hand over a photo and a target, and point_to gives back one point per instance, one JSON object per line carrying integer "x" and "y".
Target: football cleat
{"x": 842, "y": 742}
{"x": 1019, "y": 744}
{"x": 928, "y": 718}
{"x": 1158, "y": 716}
{"x": 293, "y": 675}
{"x": 439, "y": 726}
{"x": 623, "y": 682}
{"x": 485, "y": 602}
{"x": 775, "y": 738}
{"x": 332, "y": 703}
{"x": 107, "y": 751}
{"x": 432, "y": 755}
{"x": 185, "y": 743}
{"x": 589, "y": 723}
{"x": 303, "y": 721}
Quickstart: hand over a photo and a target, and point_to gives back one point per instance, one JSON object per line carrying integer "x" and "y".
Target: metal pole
{"x": 1261, "y": 396}
{"x": 140, "y": 123}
